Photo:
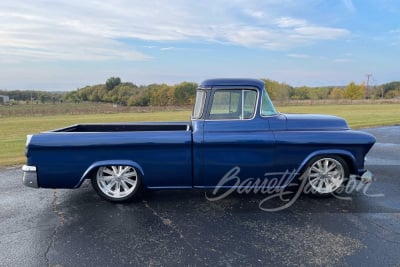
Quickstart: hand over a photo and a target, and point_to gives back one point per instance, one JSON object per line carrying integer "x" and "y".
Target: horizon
{"x": 66, "y": 45}
{"x": 172, "y": 84}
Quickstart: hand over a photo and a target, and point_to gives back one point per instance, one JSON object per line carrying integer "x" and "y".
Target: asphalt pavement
{"x": 46, "y": 227}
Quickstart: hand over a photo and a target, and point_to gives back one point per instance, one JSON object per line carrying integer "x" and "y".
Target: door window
{"x": 233, "y": 104}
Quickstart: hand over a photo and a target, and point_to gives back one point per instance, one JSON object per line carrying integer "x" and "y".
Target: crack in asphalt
{"x": 60, "y": 215}
{"x": 25, "y": 230}
{"x": 170, "y": 224}
{"x": 165, "y": 221}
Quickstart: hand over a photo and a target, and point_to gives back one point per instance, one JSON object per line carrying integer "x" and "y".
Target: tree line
{"x": 129, "y": 94}
{"x": 126, "y": 93}
{"x": 34, "y": 96}
{"x": 282, "y": 91}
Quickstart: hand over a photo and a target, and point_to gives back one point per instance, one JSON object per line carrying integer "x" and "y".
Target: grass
{"x": 13, "y": 129}
{"x": 357, "y": 116}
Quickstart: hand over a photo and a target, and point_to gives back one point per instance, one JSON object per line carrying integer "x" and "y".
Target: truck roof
{"x": 232, "y": 82}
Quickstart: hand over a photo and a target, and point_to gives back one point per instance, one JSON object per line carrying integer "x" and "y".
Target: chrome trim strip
{"x": 27, "y": 168}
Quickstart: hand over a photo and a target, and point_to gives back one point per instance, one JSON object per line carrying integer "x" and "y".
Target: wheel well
{"x": 346, "y": 158}
{"x": 91, "y": 173}
{"x": 349, "y": 162}
{"x": 92, "y": 169}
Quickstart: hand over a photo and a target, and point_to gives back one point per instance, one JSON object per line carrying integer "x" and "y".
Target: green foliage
{"x": 31, "y": 95}
{"x": 354, "y": 91}
{"x": 336, "y": 93}
{"x": 184, "y": 93}
{"x": 301, "y": 93}
{"x": 278, "y": 91}
{"x": 112, "y": 82}
{"x": 390, "y": 90}
{"x": 392, "y": 94}
{"x": 130, "y": 94}
{"x": 319, "y": 93}
{"x": 305, "y": 92}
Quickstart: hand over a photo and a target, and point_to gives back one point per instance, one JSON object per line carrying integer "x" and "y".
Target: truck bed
{"x": 127, "y": 127}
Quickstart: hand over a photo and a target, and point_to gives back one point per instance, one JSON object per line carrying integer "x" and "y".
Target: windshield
{"x": 267, "y": 108}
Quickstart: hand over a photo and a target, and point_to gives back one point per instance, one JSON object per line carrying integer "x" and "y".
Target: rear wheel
{"x": 326, "y": 175}
{"x": 117, "y": 183}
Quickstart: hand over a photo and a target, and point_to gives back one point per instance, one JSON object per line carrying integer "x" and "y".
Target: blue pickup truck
{"x": 233, "y": 125}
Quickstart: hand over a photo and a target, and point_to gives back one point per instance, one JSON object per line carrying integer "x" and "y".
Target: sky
{"x": 62, "y": 45}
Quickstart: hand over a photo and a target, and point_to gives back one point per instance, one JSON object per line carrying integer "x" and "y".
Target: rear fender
{"x": 89, "y": 171}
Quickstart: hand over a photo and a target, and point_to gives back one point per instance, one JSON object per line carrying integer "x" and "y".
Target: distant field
{"x": 30, "y": 119}
{"x": 77, "y": 109}
{"x": 358, "y": 116}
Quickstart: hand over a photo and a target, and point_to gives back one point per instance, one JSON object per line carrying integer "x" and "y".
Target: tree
{"x": 336, "y": 93}
{"x": 392, "y": 86}
{"x": 43, "y": 98}
{"x": 318, "y": 93}
{"x": 184, "y": 93}
{"x": 301, "y": 93}
{"x": 72, "y": 97}
{"x": 112, "y": 82}
{"x": 392, "y": 94}
{"x": 354, "y": 91}
{"x": 277, "y": 90}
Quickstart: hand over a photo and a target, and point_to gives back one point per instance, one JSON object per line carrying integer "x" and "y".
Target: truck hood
{"x": 314, "y": 122}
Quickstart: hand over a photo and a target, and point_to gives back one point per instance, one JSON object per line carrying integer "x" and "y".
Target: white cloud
{"x": 324, "y": 33}
{"x": 287, "y": 22}
{"x": 97, "y": 30}
{"x": 254, "y": 13}
{"x": 167, "y": 48}
{"x": 299, "y": 55}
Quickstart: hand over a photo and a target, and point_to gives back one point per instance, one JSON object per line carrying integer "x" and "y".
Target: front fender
{"x": 98, "y": 164}
{"x": 338, "y": 152}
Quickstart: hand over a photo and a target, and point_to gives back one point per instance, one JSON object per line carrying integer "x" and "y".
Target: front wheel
{"x": 326, "y": 175}
{"x": 117, "y": 183}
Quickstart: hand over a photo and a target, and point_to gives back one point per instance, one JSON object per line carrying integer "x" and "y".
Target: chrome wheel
{"x": 326, "y": 175}
{"x": 117, "y": 182}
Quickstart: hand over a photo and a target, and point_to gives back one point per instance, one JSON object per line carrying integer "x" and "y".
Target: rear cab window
{"x": 199, "y": 104}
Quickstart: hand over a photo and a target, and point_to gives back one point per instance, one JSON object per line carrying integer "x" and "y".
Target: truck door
{"x": 235, "y": 139}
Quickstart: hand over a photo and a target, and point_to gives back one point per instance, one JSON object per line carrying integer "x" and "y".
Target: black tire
{"x": 117, "y": 183}
{"x": 326, "y": 176}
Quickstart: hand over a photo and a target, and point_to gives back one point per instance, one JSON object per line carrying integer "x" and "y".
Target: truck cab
{"x": 231, "y": 128}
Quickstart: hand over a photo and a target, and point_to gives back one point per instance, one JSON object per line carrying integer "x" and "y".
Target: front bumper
{"x": 30, "y": 176}
{"x": 366, "y": 178}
